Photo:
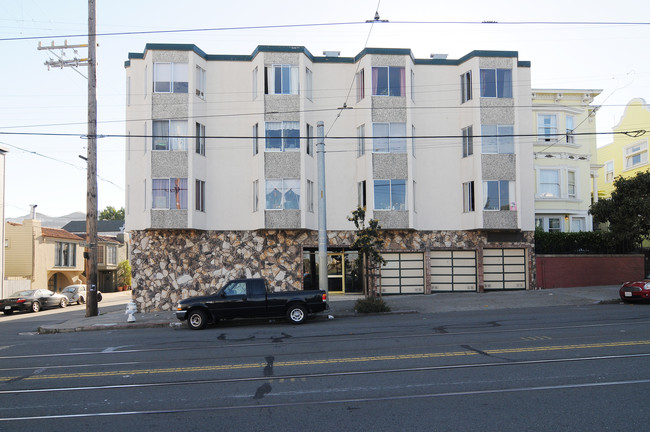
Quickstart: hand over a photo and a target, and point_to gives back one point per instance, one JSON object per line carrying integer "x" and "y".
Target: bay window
{"x": 170, "y": 78}
{"x": 65, "y": 254}
{"x": 388, "y": 81}
{"x": 546, "y": 127}
{"x": 281, "y": 79}
{"x": 497, "y": 194}
{"x": 283, "y": 194}
{"x": 282, "y": 136}
{"x": 549, "y": 183}
{"x": 169, "y": 135}
{"x": 497, "y": 139}
{"x": 496, "y": 83}
{"x": 390, "y": 194}
{"x": 169, "y": 193}
{"x": 389, "y": 137}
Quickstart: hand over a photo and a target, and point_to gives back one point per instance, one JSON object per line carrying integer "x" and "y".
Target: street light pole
{"x": 322, "y": 211}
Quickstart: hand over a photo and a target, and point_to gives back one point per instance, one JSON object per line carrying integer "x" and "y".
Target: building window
{"x": 199, "y": 195}
{"x": 390, "y": 194}
{"x": 570, "y": 121}
{"x": 468, "y": 197}
{"x": 636, "y": 155}
{"x": 100, "y": 254}
{"x": 309, "y": 83}
{"x": 466, "y": 87}
{"x": 111, "y": 255}
{"x": 256, "y": 140}
{"x": 361, "y": 140}
{"x": 571, "y": 184}
{"x": 282, "y": 136}
{"x": 468, "y": 141}
{"x": 361, "y": 194}
{"x": 389, "y": 137}
{"x": 546, "y": 127}
{"x": 200, "y": 139}
{"x": 497, "y": 139}
{"x": 200, "y": 82}
{"x": 496, "y": 83}
{"x": 283, "y": 194}
{"x": 145, "y": 81}
{"x": 310, "y": 196}
{"x": 170, "y": 78}
{"x": 128, "y": 91}
{"x": 549, "y": 183}
{"x": 256, "y": 195}
{"x": 414, "y": 201}
{"x": 361, "y": 90}
{"x": 497, "y": 193}
{"x": 281, "y": 79}
{"x": 609, "y": 171}
{"x": 169, "y": 193}
{"x": 170, "y": 135}
{"x": 554, "y": 224}
{"x": 388, "y": 81}
{"x": 65, "y": 254}
{"x": 577, "y": 224}
{"x": 255, "y": 83}
{"x": 309, "y": 145}
{"x": 413, "y": 140}
{"x": 412, "y": 85}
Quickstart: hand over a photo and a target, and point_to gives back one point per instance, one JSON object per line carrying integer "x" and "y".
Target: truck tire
{"x": 197, "y": 319}
{"x": 296, "y": 314}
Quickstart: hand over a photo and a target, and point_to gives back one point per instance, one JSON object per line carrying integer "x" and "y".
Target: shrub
{"x": 371, "y": 305}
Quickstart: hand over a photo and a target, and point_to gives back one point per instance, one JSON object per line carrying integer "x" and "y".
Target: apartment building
{"x": 566, "y": 167}
{"x": 627, "y": 154}
{"x": 221, "y": 171}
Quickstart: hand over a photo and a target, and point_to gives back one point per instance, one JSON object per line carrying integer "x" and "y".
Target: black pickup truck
{"x": 250, "y": 298}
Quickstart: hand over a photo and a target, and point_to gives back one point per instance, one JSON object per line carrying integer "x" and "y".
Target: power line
{"x": 331, "y": 24}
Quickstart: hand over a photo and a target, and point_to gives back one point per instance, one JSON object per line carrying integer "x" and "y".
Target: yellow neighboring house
{"x": 565, "y": 158}
{"x": 50, "y": 257}
{"x": 627, "y": 154}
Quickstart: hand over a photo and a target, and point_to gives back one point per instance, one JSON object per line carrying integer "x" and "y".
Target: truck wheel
{"x": 197, "y": 319}
{"x": 297, "y": 314}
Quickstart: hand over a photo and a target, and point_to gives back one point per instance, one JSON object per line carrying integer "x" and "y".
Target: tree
{"x": 109, "y": 213}
{"x": 368, "y": 241}
{"x": 628, "y": 210}
{"x": 124, "y": 273}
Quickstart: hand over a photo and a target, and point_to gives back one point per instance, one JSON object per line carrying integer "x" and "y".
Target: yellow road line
{"x": 327, "y": 361}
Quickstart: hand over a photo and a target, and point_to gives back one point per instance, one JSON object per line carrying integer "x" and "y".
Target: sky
{"x": 37, "y": 104}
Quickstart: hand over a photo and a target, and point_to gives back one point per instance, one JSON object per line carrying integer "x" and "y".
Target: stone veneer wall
{"x": 169, "y": 265}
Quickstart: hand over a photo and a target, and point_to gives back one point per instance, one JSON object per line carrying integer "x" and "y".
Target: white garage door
{"x": 453, "y": 270}
{"x": 403, "y": 273}
{"x": 504, "y": 269}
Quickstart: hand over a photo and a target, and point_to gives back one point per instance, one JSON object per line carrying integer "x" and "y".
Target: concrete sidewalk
{"x": 112, "y": 310}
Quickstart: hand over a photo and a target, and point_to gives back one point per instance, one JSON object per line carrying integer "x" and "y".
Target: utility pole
{"x": 91, "y": 194}
{"x": 322, "y": 211}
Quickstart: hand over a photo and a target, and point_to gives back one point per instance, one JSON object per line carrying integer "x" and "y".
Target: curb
{"x": 107, "y": 326}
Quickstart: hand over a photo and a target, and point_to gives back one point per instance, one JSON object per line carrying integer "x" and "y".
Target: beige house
{"x": 50, "y": 257}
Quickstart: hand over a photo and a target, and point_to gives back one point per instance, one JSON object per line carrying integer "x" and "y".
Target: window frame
{"x": 309, "y": 140}
{"x": 286, "y": 185}
{"x": 609, "y": 174}
{"x": 495, "y": 86}
{"x": 546, "y": 132}
{"x": 504, "y": 187}
{"x": 503, "y": 139}
{"x": 398, "y": 141}
{"x": 175, "y": 83}
{"x": 640, "y": 149}
{"x": 390, "y": 89}
{"x": 181, "y": 199}
{"x": 283, "y": 136}
{"x": 544, "y": 184}
{"x": 570, "y": 127}
{"x": 310, "y": 196}
{"x": 199, "y": 195}
{"x": 469, "y": 197}
{"x": 65, "y": 254}
{"x": 466, "y": 87}
{"x": 360, "y": 81}
{"x": 199, "y": 147}
{"x": 393, "y": 184}
{"x": 177, "y": 142}
{"x": 572, "y": 184}
{"x": 361, "y": 140}
{"x": 200, "y": 76}
{"x": 309, "y": 84}
{"x": 468, "y": 140}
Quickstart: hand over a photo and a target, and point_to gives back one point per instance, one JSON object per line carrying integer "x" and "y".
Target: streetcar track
{"x": 321, "y": 339}
{"x": 334, "y": 402}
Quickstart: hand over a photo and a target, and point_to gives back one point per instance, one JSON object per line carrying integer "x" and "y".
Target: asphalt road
{"x": 563, "y": 368}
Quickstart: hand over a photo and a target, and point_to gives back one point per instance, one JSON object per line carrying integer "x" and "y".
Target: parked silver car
{"x": 77, "y": 294}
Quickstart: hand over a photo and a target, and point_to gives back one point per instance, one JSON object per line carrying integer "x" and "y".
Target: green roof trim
{"x": 324, "y": 59}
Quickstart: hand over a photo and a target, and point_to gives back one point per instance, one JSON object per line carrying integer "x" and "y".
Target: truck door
{"x": 256, "y": 301}
{"x": 233, "y": 303}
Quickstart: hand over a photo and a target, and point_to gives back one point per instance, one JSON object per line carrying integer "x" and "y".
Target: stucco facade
{"x": 51, "y": 258}
{"x": 566, "y": 169}
{"x": 627, "y": 154}
{"x": 397, "y": 143}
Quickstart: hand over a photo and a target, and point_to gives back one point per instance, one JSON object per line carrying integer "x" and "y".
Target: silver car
{"x": 77, "y": 294}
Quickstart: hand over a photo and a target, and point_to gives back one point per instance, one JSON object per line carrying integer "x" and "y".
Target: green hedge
{"x": 587, "y": 242}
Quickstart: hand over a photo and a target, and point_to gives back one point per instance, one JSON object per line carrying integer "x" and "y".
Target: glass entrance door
{"x": 335, "y": 272}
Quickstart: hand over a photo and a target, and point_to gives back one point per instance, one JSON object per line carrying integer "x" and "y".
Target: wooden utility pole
{"x": 91, "y": 194}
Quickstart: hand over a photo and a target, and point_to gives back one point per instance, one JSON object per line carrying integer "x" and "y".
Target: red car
{"x": 635, "y": 291}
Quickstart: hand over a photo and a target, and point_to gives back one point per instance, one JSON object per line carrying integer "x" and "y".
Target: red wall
{"x": 564, "y": 271}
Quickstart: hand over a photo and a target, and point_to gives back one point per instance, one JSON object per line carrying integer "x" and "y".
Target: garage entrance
{"x": 453, "y": 270}
{"x": 504, "y": 269}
